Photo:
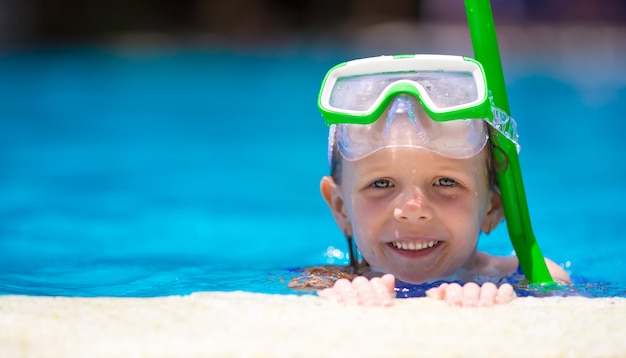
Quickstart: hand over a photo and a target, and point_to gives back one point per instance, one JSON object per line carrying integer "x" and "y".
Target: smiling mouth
{"x": 414, "y": 246}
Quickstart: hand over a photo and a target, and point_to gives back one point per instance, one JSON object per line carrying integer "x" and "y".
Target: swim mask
{"x": 435, "y": 102}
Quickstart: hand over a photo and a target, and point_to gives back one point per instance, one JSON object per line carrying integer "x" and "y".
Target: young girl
{"x": 413, "y": 181}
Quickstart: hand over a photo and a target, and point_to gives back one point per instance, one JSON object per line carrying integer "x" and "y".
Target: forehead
{"x": 400, "y": 160}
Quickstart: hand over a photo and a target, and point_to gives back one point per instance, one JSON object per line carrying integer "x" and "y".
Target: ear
{"x": 495, "y": 213}
{"x": 332, "y": 195}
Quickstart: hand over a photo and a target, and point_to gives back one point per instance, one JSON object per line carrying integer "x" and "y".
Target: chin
{"x": 414, "y": 276}
{"x": 419, "y": 277}
{"x": 415, "y": 279}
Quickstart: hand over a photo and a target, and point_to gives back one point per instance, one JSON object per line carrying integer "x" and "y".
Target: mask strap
{"x": 332, "y": 130}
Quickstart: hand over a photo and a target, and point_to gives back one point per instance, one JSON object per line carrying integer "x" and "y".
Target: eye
{"x": 445, "y": 182}
{"x": 381, "y": 184}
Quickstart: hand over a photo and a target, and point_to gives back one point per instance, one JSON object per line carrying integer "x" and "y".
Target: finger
{"x": 364, "y": 291}
{"x": 329, "y": 294}
{"x": 437, "y": 293}
{"x": 381, "y": 293}
{"x": 506, "y": 294}
{"x": 390, "y": 282}
{"x": 488, "y": 294}
{"x": 471, "y": 294}
{"x": 346, "y": 292}
{"x": 454, "y": 294}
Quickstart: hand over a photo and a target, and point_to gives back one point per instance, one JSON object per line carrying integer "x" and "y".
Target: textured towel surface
{"x": 247, "y": 324}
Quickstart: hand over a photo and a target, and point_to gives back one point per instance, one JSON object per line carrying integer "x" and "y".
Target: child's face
{"x": 399, "y": 200}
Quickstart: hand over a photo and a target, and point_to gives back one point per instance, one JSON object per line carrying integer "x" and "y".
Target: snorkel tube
{"x": 485, "y": 44}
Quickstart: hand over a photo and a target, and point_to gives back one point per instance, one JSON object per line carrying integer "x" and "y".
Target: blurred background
{"x": 164, "y": 147}
{"x": 249, "y": 22}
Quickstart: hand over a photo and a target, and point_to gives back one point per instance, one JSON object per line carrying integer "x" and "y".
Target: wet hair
{"x": 335, "y": 164}
{"x": 320, "y": 277}
{"x": 493, "y": 167}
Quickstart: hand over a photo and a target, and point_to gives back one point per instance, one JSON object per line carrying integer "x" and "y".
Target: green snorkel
{"x": 485, "y": 44}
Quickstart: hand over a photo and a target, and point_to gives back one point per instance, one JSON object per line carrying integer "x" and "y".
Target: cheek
{"x": 465, "y": 212}
{"x": 477, "y": 200}
{"x": 482, "y": 200}
{"x": 367, "y": 215}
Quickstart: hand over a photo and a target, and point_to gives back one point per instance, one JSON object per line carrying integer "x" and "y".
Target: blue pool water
{"x": 171, "y": 171}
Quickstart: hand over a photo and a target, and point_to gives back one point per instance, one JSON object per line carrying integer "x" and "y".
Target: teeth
{"x": 414, "y": 246}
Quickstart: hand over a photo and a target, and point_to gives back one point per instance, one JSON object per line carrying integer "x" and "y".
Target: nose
{"x": 413, "y": 206}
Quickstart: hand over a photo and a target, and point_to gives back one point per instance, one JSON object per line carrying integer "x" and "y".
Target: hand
{"x": 472, "y": 295}
{"x": 379, "y": 291}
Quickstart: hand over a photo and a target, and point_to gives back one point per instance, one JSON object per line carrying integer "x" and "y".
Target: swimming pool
{"x": 168, "y": 171}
